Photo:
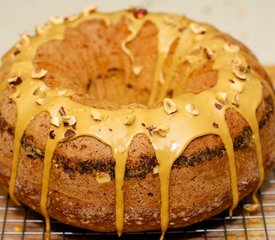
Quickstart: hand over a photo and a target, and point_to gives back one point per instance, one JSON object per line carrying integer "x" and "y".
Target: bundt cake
{"x": 133, "y": 121}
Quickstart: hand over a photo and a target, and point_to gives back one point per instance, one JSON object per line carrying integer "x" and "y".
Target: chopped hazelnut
{"x": 69, "y": 133}
{"x": 57, "y": 20}
{"x": 55, "y": 121}
{"x": 89, "y": 10}
{"x": 191, "y": 109}
{"x": 156, "y": 170}
{"x": 62, "y": 111}
{"x": 15, "y": 94}
{"x": 237, "y": 61}
{"x": 103, "y": 177}
{"x": 237, "y": 86}
{"x": 161, "y": 130}
{"x": 70, "y": 120}
{"x": 40, "y": 101}
{"x": 138, "y": 222}
{"x": 197, "y": 28}
{"x": 39, "y": 74}
{"x": 239, "y": 74}
{"x": 130, "y": 119}
{"x": 208, "y": 53}
{"x": 137, "y": 70}
{"x": 15, "y": 80}
{"x": 150, "y": 130}
{"x": 235, "y": 100}
{"x": 232, "y": 48}
{"x": 169, "y": 106}
{"x": 52, "y": 134}
{"x": 222, "y": 97}
{"x": 215, "y": 125}
{"x": 39, "y": 30}
{"x": 24, "y": 39}
{"x": 140, "y": 12}
{"x": 218, "y": 106}
{"x": 96, "y": 115}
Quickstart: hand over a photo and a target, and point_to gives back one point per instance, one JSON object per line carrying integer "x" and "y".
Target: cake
{"x": 133, "y": 121}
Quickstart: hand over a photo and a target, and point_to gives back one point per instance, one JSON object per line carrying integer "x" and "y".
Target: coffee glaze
{"x": 176, "y": 122}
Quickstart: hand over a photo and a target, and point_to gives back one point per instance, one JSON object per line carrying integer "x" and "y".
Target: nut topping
{"x": 43, "y": 87}
{"x": 69, "y": 133}
{"x": 62, "y": 111}
{"x": 222, "y": 97}
{"x": 55, "y": 121}
{"x": 169, "y": 106}
{"x": 137, "y": 69}
{"x": 96, "y": 115}
{"x": 232, "y": 48}
{"x": 138, "y": 222}
{"x": 57, "y": 20}
{"x": 39, "y": 74}
{"x": 70, "y": 120}
{"x": 236, "y": 100}
{"x": 239, "y": 74}
{"x": 14, "y": 80}
{"x": 197, "y": 28}
{"x": 208, "y": 53}
{"x": 89, "y": 10}
{"x": 52, "y": 134}
{"x": 102, "y": 177}
{"x": 156, "y": 170}
{"x": 39, "y": 30}
{"x": 130, "y": 119}
{"x": 140, "y": 12}
{"x": 237, "y": 86}
{"x": 191, "y": 109}
{"x": 24, "y": 39}
{"x": 40, "y": 101}
{"x": 15, "y": 94}
{"x": 16, "y": 52}
{"x": 161, "y": 130}
{"x": 245, "y": 69}
{"x": 218, "y": 106}
{"x": 150, "y": 130}
{"x": 237, "y": 61}
{"x": 215, "y": 125}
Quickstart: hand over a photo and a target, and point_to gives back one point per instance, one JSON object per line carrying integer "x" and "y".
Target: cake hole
{"x": 91, "y": 60}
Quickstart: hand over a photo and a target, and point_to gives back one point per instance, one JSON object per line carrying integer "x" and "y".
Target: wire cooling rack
{"x": 21, "y": 223}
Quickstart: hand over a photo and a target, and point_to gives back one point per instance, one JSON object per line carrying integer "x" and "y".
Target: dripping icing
{"x": 167, "y": 148}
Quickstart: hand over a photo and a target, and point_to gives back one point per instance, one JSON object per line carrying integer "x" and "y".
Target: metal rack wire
{"x": 21, "y": 223}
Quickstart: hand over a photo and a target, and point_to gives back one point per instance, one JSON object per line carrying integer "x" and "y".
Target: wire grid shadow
{"x": 21, "y": 223}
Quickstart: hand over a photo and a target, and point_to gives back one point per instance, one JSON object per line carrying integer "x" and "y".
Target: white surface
{"x": 251, "y": 21}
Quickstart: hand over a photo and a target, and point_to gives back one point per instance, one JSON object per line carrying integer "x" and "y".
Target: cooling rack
{"x": 21, "y": 223}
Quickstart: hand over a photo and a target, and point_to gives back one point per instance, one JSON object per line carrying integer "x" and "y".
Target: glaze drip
{"x": 196, "y": 114}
